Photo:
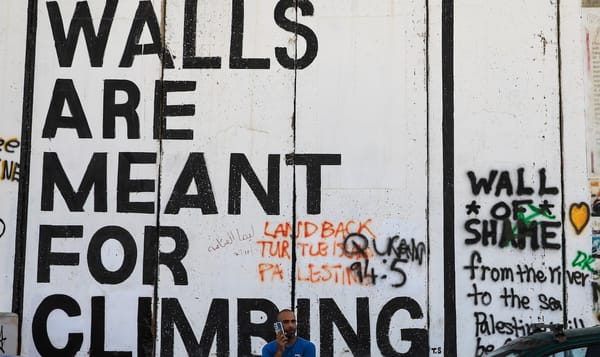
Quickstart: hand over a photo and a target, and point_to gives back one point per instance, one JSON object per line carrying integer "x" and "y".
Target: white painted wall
{"x": 12, "y": 54}
{"x": 506, "y": 119}
{"x": 362, "y": 114}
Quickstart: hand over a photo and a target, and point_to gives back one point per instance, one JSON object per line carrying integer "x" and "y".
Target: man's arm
{"x": 275, "y": 350}
{"x": 266, "y": 352}
{"x": 310, "y": 350}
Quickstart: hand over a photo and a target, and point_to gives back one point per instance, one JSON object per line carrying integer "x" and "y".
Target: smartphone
{"x": 278, "y": 327}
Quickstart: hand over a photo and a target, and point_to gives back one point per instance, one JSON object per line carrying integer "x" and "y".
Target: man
{"x": 288, "y": 344}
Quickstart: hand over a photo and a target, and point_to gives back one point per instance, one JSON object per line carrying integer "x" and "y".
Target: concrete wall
{"x": 13, "y": 29}
{"x": 413, "y": 177}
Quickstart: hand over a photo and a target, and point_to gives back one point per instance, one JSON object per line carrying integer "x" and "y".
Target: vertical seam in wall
{"x": 294, "y": 197}
{"x": 562, "y": 177}
{"x": 448, "y": 176}
{"x": 25, "y": 158}
{"x": 163, "y": 52}
{"x": 427, "y": 168}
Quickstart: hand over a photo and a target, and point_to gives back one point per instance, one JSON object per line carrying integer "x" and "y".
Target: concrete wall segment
{"x": 194, "y": 166}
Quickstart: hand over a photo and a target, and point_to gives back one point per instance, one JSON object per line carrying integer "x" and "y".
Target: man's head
{"x": 288, "y": 319}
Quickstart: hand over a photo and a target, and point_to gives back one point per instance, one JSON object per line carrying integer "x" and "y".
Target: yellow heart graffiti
{"x": 579, "y": 214}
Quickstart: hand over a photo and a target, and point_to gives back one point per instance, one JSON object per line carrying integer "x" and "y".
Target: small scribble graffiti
{"x": 395, "y": 251}
{"x": 2, "y": 228}
{"x": 584, "y": 261}
{"x": 234, "y": 238}
{"x": 9, "y": 169}
{"x": 2, "y": 339}
{"x": 543, "y": 210}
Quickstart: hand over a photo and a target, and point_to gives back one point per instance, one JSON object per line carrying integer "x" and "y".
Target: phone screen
{"x": 278, "y": 327}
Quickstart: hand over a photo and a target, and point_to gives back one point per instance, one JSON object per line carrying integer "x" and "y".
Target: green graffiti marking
{"x": 537, "y": 212}
{"x": 584, "y": 261}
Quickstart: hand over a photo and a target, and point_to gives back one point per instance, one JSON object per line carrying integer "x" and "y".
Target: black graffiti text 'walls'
{"x": 145, "y": 16}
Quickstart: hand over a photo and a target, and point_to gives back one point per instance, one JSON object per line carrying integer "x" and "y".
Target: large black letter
{"x": 39, "y": 326}
{"x": 53, "y": 174}
{"x": 237, "y": 39}
{"x": 145, "y": 15}
{"x": 145, "y": 327}
{"x": 81, "y": 20}
{"x": 217, "y": 325}
{"x": 126, "y": 110}
{"x": 45, "y": 255}
{"x": 312, "y": 44}
{"x": 189, "y": 40}
{"x": 238, "y": 167}
{"x": 418, "y": 337}
{"x": 313, "y": 164}
{"x": 153, "y": 257}
{"x": 247, "y": 329}
{"x": 303, "y": 315}
{"x": 94, "y": 255}
{"x": 162, "y": 110}
{"x": 64, "y": 91}
{"x": 194, "y": 170}
{"x": 330, "y": 314}
{"x": 97, "y": 331}
{"x": 125, "y": 185}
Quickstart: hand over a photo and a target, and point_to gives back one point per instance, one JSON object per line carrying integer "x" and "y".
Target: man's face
{"x": 288, "y": 319}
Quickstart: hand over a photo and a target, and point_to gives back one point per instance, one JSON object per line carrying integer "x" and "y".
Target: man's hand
{"x": 281, "y": 341}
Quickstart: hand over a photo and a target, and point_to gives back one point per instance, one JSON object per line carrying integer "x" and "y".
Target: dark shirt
{"x": 300, "y": 348}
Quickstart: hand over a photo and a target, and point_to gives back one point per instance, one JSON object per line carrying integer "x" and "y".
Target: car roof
{"x": 546, "y": 339}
